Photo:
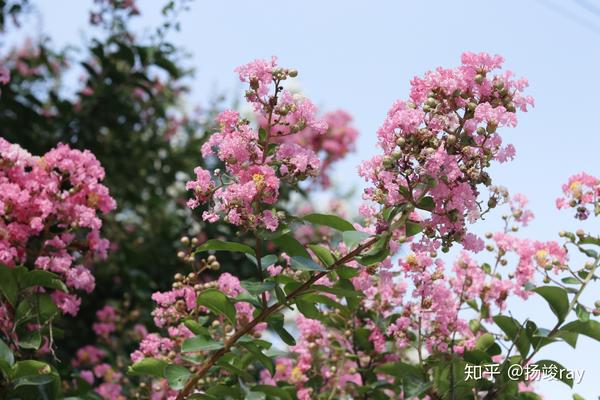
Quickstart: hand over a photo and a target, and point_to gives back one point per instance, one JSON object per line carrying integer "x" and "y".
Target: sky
{"x": 360, "y": 56}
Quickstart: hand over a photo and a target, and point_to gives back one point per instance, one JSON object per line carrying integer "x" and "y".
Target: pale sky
{"x": 361, "y": 55}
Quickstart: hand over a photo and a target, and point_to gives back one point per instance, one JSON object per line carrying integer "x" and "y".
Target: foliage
{"x": 270, "y": 300}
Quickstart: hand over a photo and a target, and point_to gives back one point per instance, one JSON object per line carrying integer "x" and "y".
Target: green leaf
{"x": 426, "y": 203}
{"x": 307, "y": 308}
{"x": 305, "y": 264}
{"x": 371, "y": 259}
{"x": 262, "y": 134}
{"x": 514, "y": 331}
{"x": 346, "y": 272}
{"x": 412, "y": 228}
{"x": 217, "y": 303}
{"x": 8, "y": 284}
{"x": 568, "y": 337}
{"x": 276, "y": 322}
{"x": 557, "y": 299}
{"x": 361, "y": 339}
{"x": 323, "y": 254}
{"x": 234, "y": 370}
{"x": 219, "y": 245}
{"x": 42, "y": 278}
{"x": 562, "y": 373}
{"x": 377, "y": 252}
{"x": 268, "y": 260}
{"x": 582, "y": 313}
{"x": 265, "y": 262}
{"x": 30, "y": 339}
{"x": 199, "y": 343}
{"x": 266, "y": 361}
{"x": 332, "y": 221}
{"x": 353, "y": 238}
{"x": 279, "y": 293}
{"x": 399, "y": 369}
{"x": 195, "y": 327}
{"x": 590, "y": 328}
{"x": 272, "y": 391}
{"x": 177, "y": 376}
{"x": 570, "y": 280}
{"x": 291, "y": 246}
{"x": 6, "y": 354}
{"x": 33, "y": 380}
{"x": 339, "y": 291}
{"x": 256, "y": 288}
{"x": 485, "y": 341}
{"x": 149, "y": 366}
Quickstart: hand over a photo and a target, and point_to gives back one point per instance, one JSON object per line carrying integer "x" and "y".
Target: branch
{"x": 264, "y": 315}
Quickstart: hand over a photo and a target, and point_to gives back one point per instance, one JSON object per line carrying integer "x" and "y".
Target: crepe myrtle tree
{"x": 368, "y": 324}
{"x": 369, "y": 321}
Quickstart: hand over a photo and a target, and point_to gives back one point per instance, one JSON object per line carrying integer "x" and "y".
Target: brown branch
{"x": 264, "y": 315}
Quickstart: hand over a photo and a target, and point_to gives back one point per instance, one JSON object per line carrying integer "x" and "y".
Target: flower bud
{"x": 388, "y": 162}
{"x": 292, "y": 73}
{"x": 185, "y": 240}
{"x": 479, "y": 79}
{"x": 211, "y": 259}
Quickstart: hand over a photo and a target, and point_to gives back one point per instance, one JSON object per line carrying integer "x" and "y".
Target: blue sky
{"x": 360, "y": 56}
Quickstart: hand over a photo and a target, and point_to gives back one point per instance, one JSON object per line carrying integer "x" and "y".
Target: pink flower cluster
{"x": 332, "y": 145}
{"x": 107, "y": 318}
{"x": 318, "y": 351}
{"x": 256, "y": 162}
{"x": 93, "y": 368}
{"x": 49, "y": 215}
{"x": 582, "y": 192}
{"x": 440, "y": 143}
{"x": 179, "y": 304}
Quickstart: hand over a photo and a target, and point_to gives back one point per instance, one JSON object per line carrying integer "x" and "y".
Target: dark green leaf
{"x": 149, "y": 366}
{"x": 272, "y": 391}
{"x": 562, "y": 373}
{"x": 305, "y": 264}
{"x": 177, "y": 376}
{"x": 256, "y": 288}
{"x": 426, "y": 203}
{"x": 199, "y": 343}
{"x": 218, "y": 303}
{"x": 412, "y": 228}
{"x": 353, "y": 238}
{"x": 582, "y": 313}
{"x": 291, "y": 246}
{"x": 590, "y": 328}
{"x": 266, "y": 361}
{"x": 332, "y": 221}
{"x": 219, "y": 245}
{"x": 8, "y": 284}
{"x": 514, "y": 331}
{"x": 557, "y": 299}
{"x": 323, "y": 254}
{"x": 6, "y": 354}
